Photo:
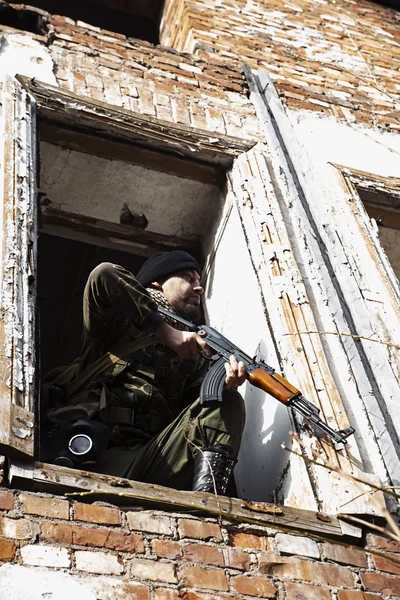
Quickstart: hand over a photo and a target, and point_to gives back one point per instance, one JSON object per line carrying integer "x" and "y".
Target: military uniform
{"x": 150, "y": 401}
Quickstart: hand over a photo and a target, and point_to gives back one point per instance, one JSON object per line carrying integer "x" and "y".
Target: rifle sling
{"x": 105, "y": 361}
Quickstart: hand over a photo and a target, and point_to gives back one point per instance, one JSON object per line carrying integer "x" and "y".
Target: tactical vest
{"x": 137, "y": 397}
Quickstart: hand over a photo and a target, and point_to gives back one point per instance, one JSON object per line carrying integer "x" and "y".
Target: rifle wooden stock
{"x": 273, "y": 384}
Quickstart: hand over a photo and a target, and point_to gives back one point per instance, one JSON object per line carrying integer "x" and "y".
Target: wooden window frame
{"x": 30, "y": 106}
{"x": 367, "y": 214}
{"x": 34, "y": 105}
{"x": 383, "y": 292}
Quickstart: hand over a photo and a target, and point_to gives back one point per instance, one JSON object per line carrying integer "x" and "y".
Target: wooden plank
{"x": 370, "y": 180}
{"x": 115, "y": 233}
{"x": 318, "y": 275}
{"x": 63, "y": 107}
{"x": 347, "y": 276}
{"x": 42, "y": 477}
{"x": 134, "y": 154}
{"x": 17, "y": 272}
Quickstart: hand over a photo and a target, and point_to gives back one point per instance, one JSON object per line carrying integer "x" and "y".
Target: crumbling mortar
{"x": 340, "y": 115}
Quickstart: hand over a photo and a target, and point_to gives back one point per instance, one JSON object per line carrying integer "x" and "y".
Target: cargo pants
{"x": 168, "y": 458}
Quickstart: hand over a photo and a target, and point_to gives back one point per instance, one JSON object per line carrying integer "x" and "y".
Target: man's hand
{"x": 235, "y": 373}
{"x": 186, "y": 344}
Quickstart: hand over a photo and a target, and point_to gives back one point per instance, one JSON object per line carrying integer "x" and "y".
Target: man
{"x": 159, "y": 431}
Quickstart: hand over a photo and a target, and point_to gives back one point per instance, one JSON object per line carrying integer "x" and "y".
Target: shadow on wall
{"x": 262, "y": 460}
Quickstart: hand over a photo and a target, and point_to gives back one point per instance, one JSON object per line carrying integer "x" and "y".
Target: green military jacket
{"x": 139, "y": 396}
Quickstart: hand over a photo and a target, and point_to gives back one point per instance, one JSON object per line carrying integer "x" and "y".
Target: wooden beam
{"x": 322, "y": 242}
{"x": 65, "y": 108}
{"x": 114, "y": 232}
{"x": 370, "y": 180}
{"x": 36, "y": 476}
{"x": 130, "y": 153}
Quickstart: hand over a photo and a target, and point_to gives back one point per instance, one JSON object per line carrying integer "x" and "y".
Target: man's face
{"x": 183, "y": 291}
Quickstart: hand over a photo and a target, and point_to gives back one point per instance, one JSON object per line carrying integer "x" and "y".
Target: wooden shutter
{"x": 274, "y": 206}
{"x": 18, "y": 265}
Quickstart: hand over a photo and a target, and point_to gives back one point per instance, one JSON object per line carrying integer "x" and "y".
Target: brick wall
{"x": 340, "y": 58}
{"x": 156, "y": 81}
{"x": 337, "y": 57}
{"x": 153, "y": 555}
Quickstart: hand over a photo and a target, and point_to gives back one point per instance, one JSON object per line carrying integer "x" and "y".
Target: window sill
{"x": 41, "y": 477}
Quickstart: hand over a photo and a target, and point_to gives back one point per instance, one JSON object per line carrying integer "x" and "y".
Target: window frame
{"x": 354, "y": 180}
{"x": 18, "y": 216}
{"x": 51, "y": 105}
{"x": 27, "y": 105}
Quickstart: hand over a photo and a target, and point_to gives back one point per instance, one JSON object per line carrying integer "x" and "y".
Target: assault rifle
{"x": 258, "y": 373}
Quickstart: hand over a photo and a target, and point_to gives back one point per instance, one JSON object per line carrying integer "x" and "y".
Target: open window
{"x": 100, "y": 204}
{"x": 100, "y": 170}
{"x": 381, "y": 199}
{"x": 112, "y": 186}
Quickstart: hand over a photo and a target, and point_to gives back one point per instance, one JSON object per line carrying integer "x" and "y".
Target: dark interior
{"x": 25, "y": 20}
{"x": 139, "y": 19}
{"x": 63, "y": 268}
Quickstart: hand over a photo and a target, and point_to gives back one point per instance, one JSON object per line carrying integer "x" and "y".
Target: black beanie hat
{"x": 162, "y": 264}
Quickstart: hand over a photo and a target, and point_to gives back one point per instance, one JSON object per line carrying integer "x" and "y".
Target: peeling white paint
{"x": 21, "y": 433}
{"x": 27, "y": 583}
{"x": 99, "y": 187}
{"x": 21, "y": 54}
{"x": 16, "y": 278}
{"x": 328, "y": 141}
{"x": 233, "y": 305}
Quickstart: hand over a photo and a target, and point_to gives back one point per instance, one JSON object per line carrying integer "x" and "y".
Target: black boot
{"x": 213, "y": 468}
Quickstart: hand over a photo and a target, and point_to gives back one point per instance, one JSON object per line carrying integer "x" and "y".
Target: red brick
{"x": 166, "y": 549}
{"x": 198, "y": 529}
{"x": 237, "y": 559}
{"x": 18, "y": 529}
{"x": 102, "y": 563}
{"x": 357, "y": 595}
{"x": 377, "y": 542}
{"x": 345, "y": 555}
{"x": 246, "y": 540}
{"x": 208, "y": 555}
{"x": 59, "y": 21}
{"x": 196, "y": 596}
{"x": 147, "y": 521}
{"x": 301, "y": 591}
{"x": 62, "y": 533}
{"x": 166, "y": 594}
{"x": 211, "y": 579}
{"x": 377, "y": 582}
{"x": 45, "y": 507}
{"x": 7, "y": 550}
{"x": 153, "y": 570}
{"x": 253, "y": 586}
{"x": 118, "y": 540}
{"x": 388, "y": 564}
{"x": 97, "y": 514}
{"x": 290, "y": 568}
{"x": 92, "y": 536}
{"x": 118, "y": 590}
{"x": 6, "y": 501}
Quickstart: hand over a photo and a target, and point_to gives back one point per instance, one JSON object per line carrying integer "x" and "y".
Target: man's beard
{"x": 190, "y": 312}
